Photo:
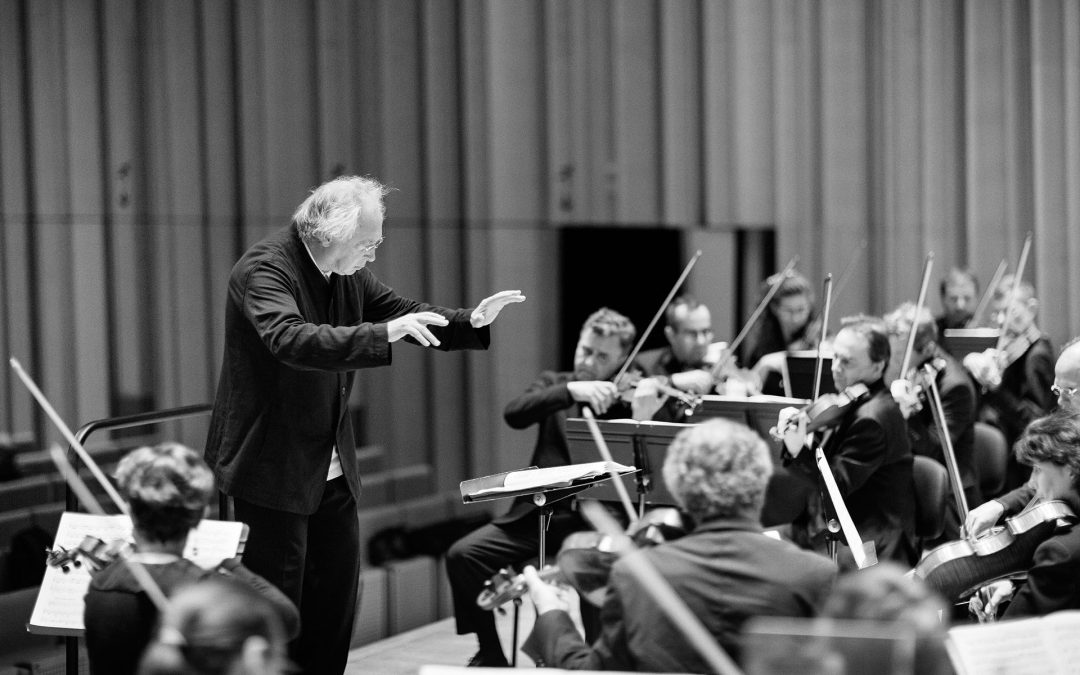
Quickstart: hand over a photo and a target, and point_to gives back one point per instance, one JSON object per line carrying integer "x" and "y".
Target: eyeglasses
{"x": 1068, "y": 391}
{"x": 371, "y": 247}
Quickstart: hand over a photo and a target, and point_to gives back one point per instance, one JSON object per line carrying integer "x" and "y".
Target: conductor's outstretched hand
{"x": 416, "y": 325}
{"x": 490, "y": 307}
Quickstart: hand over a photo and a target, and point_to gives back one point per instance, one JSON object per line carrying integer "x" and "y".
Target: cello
{"x": 958, "y": 569}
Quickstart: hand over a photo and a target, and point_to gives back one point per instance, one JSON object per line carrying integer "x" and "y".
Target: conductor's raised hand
{"x": 545, "y": 597}
{"x": 597, "y": 394}
{"x": 416, "y": 326}
{"x": 490, "y": 307}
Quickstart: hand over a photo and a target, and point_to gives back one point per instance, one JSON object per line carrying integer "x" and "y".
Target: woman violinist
{"x": 790, "y": 324}
{"x": 1051, "y": 447}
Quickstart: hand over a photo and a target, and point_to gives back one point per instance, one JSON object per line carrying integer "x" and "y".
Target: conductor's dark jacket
{"x": 292, "y": 342}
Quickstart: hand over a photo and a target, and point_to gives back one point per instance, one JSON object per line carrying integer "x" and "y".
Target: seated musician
{"x": 167, "y": 488}
{"x": 867, "y": 450}
{"x": 1016, "y": 379}
{"x": 791, "y": 323}
{"x": 513, "y": 538}
{"x": 958, "y": 401}
{"x": 959, "y": 295}
{"x": 725, "y": 569}
{"x": 1051, "y": 446}
{"x": 1066, "y": 388}
{"x": 217, "y": 626}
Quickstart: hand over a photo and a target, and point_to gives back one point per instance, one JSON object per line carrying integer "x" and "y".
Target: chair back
{"x": 991, "y": 458}
{"x": 931, "y": 493}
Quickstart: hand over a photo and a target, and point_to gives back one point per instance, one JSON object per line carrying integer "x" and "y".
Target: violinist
{"x": 1051, "y": 446}
{"x": 1067, "y": 389}
{"x": 685, "y": 363}
{"x": 167, "y": 488}
{"x": 1015, "y": 379}
{"x": 791, "y": 323}
{"x": 603, "y": 344}
{"x": 958, "y": 401}
{"x": 725, "y": 569}
{"x": 867, "y": 450}
{"x": 959, "y": 292}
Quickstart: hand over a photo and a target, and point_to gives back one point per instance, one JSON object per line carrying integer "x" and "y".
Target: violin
{"x": 825, "y": 412}
{"x": 93, "y": 550}
{"x": 584, "y": 561}
{"x": 628, "y": 383}
{"x": 958, "y": 569}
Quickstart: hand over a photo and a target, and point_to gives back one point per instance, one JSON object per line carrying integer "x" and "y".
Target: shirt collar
{"x": 326, "y": 275}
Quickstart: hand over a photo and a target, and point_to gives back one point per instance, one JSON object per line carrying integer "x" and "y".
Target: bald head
{"x": 1067, "y": 376}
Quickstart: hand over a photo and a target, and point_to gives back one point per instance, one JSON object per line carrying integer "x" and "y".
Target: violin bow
{"x": 938, "y": 411}
{"x": 988, "y": 292}
{"x": 68, "y": 436}
{"x": 928, "y": 266}
{"x": 774, "y": 285}
{"x": 856, "y": 256}
{"x": 153, "y": 591}
{"x": 661, "y": 591}
{"x": 1012, "y": 289}
{"x": 820, "y": 359}
{"x": 656, "y": 317}
{"x": 605, "y": 453}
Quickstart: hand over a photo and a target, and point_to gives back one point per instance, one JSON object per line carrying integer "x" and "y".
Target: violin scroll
{"x": 91, "y": 549}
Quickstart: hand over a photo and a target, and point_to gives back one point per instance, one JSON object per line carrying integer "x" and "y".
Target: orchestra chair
{"x": 931, "y": 495}
{"x": 991, "y": 458}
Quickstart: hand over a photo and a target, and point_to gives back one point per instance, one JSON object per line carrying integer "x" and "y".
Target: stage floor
{"x": 434, "y": 644}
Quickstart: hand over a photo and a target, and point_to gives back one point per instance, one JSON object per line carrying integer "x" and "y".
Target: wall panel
{"x": 144, "y": 145}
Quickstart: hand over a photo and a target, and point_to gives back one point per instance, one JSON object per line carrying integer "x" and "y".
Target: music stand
{"x": 545, "y": 487}
{"x": 963, "y": 341}
{"x": 642, "y": 444}
{"x": 800, "y": 374}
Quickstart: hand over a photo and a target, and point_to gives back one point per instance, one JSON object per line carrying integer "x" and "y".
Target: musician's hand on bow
{"x": 791, "y": 429}
{"x": 983, "y": 518}
{"x": 415, "y": 326}
{"x": 597, "y": 394}
{"x": 647, "y": 399}
{"x": 906, "y": 396}
{"x": 490, "y": 307}
{"x": 545, "y": 597}
{"x": 985, "y": 603}
{"x": 716, "y": 351}
{"x": 693, "y": 381}
{"x": 985, "y": 367}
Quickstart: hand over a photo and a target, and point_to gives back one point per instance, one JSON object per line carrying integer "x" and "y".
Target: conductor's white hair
{"x": 332, "y": 211}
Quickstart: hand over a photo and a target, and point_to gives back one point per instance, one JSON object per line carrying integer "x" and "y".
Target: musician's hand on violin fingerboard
{"x": 791, "y": 429}
{"x": 545, "y": 597}
{"x": 983, "y": 518}
{"x": 693, "y": 381}
{"x": 906, "y": 396}
{"x": 647, "y": 399}
{"x": 597, "y": 394}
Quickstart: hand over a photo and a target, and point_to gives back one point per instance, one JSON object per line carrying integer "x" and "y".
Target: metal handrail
{"x": 125, "y": 422}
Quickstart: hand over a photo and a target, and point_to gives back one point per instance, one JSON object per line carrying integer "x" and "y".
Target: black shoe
{"x": 482, "y": 659}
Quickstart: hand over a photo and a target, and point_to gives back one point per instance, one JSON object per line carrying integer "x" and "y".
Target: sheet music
{"x": 59, "y": 606}
{"x": 552, "y": 476}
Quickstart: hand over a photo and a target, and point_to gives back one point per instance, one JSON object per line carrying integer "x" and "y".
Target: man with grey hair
{"x": 725, "y": 569}
{"x": 303, "y": 313}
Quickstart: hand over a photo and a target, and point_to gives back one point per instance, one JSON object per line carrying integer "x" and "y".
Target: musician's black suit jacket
{"x": 726, "y": 571}
{"x": 871, "y": 459}
{"x": 292, "y": 342}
